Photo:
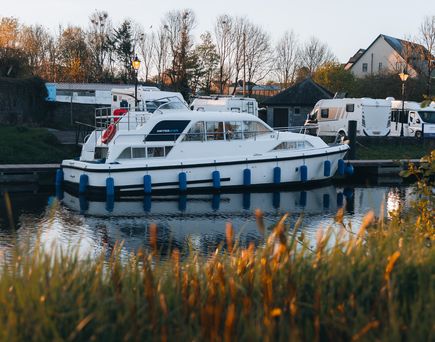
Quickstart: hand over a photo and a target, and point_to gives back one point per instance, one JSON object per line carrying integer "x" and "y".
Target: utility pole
{"x": 244, "y": 63}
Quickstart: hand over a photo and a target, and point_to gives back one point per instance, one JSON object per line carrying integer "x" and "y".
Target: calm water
{"x": 184, "y": 222}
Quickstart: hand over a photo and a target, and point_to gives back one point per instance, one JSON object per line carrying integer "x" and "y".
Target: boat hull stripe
{"x": 184, "y": 166}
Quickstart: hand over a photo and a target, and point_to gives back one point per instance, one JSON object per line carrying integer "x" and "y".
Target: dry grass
{"x": 377, "y": 284}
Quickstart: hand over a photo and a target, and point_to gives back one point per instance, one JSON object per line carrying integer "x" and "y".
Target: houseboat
{"x": 166, "y": 147}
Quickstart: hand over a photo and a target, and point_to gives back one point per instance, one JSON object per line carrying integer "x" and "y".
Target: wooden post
{"x": 352, "y": 125}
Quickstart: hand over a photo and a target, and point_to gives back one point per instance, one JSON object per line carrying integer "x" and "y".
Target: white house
{"x": 389, "y": 55}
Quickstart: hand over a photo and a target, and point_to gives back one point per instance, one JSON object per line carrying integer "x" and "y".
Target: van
{"x": 414, "y": 120}
{"x": 331, "y": 117}
{"x": 221, "y": 103}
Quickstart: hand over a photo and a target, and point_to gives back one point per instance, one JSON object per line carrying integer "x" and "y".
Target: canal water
{"x": 191, "y": 222}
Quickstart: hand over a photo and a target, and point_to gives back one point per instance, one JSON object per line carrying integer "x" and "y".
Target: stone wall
{"x": 22, "y": 100}
{"x": 65, "y": 115}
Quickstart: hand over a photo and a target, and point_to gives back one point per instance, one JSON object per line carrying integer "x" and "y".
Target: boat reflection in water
{"x": 197, "y": 221}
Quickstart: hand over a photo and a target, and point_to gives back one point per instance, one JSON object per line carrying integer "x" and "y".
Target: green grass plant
{"x": 409, "y": 148}
{"x": 26, "y": 145}
{"x": 375, "y": 284}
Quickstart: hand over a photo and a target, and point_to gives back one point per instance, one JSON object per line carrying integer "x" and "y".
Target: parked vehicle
{"x": 125, "y": 98}
{"x": 225, "y": 104}
{"x": 413, "y": 121}
{"x": 330, "y": 117}
{"x": 171, "y": 148}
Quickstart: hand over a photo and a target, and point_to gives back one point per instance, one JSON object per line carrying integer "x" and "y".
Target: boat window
{"x": 139, "y": 152}
{"x": 126, "y": 154}
{"x": 196, "y": 132}
{"x": 154, "y": 152}
{"x": 167, "y": 150}
{"x": 167, "y": 130}
{"x": 253, "y": 128}
{"x": 324, "y": 113}
{"x": 101, "y": 152}
{"x": 293, "y": 145}
{"x": 235, "y": 109}
{"x": 350, "y": 107}
{"x": 215, "y": 130}
{"x": 233, "y": 130}
{"x": 251, "y": 107}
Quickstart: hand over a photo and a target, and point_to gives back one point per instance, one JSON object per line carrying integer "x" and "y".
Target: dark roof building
{"x": 291, "y": 106}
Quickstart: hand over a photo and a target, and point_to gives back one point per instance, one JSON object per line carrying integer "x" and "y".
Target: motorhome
{"x": 410, "y": 119}
{"x": 225, "y": 104}
{"x": 331, "y": 117}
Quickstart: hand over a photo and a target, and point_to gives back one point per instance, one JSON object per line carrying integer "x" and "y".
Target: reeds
{"x": 377, "y": 284}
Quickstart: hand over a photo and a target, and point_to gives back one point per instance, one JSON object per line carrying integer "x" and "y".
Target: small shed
{"x": 291, "y": 106}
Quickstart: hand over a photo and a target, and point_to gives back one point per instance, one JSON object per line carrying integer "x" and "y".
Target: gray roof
{"x": 305, "y": 93}
{"x": 90, "y": 86}
{"x": 399, "y": 45}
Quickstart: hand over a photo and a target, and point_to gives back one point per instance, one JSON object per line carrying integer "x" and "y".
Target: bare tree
{"x": 146, "y": 47}
{"x": 238, "y": 56}
{"x": 98, "y": 43}
{"x": 160, "y": 53}
{"x": 179, "y": 25}
{"x": 427, "y": 40}
{"x": 224, "y": 46}
{"x": 286, "y": 58}
{"x": 257, "y": 55}
{"x": 315, "y": 53}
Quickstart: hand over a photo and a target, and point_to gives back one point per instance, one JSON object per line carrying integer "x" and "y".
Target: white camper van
{"x": 331, "y": 117}
{"x": 414, "y": 119}
{"x": 124, "y": 98}
{"x": 225, "y": 104}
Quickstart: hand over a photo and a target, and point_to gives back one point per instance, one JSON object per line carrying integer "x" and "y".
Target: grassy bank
{"x": 24, "y": 145}
{"x": 393, "y": 149}
{"x": 376, "y": 284}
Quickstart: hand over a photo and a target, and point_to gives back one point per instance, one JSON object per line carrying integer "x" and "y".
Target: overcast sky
{"x": 345, "y": 26}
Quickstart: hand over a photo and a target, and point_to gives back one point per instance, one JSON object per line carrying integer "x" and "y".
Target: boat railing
{"x": 296, "y": 129}
{"x": 105, "y": 116}
{"x": 201, "y": 136}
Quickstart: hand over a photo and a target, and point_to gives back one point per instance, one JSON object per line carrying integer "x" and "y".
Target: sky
{"x": 345, "y": 26}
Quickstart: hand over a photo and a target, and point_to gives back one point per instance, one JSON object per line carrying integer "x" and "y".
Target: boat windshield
{"x": 165, "y": 104}
{"x": 427, "y": 116}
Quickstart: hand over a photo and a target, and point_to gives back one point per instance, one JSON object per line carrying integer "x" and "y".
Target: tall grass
{"x": 377, "y": 284}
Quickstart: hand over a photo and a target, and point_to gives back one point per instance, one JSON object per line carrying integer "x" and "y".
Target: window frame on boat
{"x": 212, "y": 130}
{"x": 144, "y": 152}
{"x": 292, "y": 145}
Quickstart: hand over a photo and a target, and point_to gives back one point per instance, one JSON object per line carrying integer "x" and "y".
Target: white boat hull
{"x": 129, "y": 178}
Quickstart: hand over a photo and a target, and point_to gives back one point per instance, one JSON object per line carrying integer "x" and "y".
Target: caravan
{"x": 413, "y": 121}
{"x": 221, "y": 103}
{"x": 146, "y": 98}
{"x": 331, "y": 117}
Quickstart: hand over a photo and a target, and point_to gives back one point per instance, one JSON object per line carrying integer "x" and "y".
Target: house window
{"x": 297, "y": 110}
{"x": 350, "y": 107}
{"x": 324, "y": 113}
{"x": 364, "y": 67}
{"x": 380, "y": 66}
